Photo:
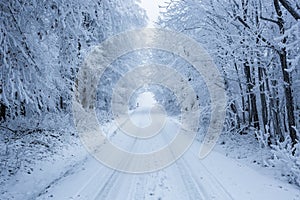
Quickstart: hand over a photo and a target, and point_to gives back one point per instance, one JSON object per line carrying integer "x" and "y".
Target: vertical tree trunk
{"x": 288, "y": 97}
{"x": 286, "y": 78}
{"x": 262, "y": 104}
{"x": 2, "y": 112}
{"x": 275, "y": 112}
{"x": 242, "y": 94}
{"x": 252, "y": 109}
{"x": 262, "y": 89}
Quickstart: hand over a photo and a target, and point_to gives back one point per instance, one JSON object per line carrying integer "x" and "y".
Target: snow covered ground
{"x": 77, "y": 175}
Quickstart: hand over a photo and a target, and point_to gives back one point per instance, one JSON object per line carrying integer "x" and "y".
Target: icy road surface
{"x": 215, "y": 177}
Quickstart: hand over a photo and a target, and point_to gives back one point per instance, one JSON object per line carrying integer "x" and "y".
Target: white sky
{"x": 152, "y": 9}
{"x": 146, "y": 100}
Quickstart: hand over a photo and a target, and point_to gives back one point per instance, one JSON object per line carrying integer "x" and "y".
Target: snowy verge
{"x": 247, "y": 150}
{"x": 31, "y": 162}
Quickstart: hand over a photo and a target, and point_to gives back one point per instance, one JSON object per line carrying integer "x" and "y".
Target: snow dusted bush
{"x": 287, "y": 158}
{"x": 20, "y": 150}
{"x": 284, "y": 157}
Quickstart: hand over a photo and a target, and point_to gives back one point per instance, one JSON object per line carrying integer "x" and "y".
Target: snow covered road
{"x": 215, "y": 177}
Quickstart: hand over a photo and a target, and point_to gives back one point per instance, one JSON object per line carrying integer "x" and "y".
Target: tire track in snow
{"x": 194, "y": 183}
{"x": 212, "y": 189}
{"x": 71, "y": 170}
{"x": 103, "y": 192}
{"x": 106, "y": 178}
{"x": 112, "y": 180}
{"x": 106, "y": 183}
{"x": 213, "y": 178}
{"x": 194, "y": 190}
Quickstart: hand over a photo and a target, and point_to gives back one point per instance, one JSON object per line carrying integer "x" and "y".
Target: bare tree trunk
{"x": 262, "y": 88}
{"x": 275, "y": 112}
{"x": 260, "y": 78}
{"x": 286, "y": 77}
{"x": 242, "y": 94}
{"x": 2, "y": 112}
{"x": 252, "y": 109}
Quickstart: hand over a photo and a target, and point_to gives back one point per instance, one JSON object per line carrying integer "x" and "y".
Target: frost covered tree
{"x": 255, "y": 44}
{"x": 42, "y": 46}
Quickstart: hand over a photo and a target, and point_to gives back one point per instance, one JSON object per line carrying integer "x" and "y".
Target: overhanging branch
{"x": 290, "y": 9}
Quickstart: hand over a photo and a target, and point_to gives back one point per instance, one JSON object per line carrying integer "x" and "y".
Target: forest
{"x": 255, "y": 45}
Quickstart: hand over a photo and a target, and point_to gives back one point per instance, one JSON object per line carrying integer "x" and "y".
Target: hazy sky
{"x": 151, "y": 6}
{"x": 146, "y": 99}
